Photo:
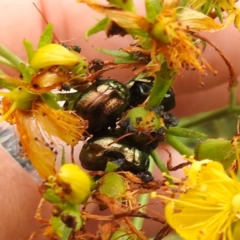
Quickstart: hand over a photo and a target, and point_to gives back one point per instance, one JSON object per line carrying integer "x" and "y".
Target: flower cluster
{"x": 34, "y": 109}
{"x": 167, "y": 29}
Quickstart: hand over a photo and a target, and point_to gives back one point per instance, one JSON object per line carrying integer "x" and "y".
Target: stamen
{"x": 171, "y": 177}
{"x": 9, "y": 112}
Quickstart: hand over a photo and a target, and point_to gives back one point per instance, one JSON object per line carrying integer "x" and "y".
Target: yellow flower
{"x": 37, "y": 122}
{"x": 171, "y": 39}
{"x": 227, "y": 6}
{"x": 208, "y": 206}
{"x": 73, "y": 184}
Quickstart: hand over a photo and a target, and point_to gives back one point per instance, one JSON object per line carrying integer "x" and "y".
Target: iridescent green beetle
{"x": 98, "y": 151}
{"x": 102, "y": 104}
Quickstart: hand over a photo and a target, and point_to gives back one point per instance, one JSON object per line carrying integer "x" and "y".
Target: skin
{"x": 19, "y": 196}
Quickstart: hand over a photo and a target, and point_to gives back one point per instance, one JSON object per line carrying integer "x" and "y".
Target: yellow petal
{"x": 128, "y": 20}
{"x": 197, "y": 4}
{"x": 197, "y": 21}
{"x": 226, "y": 4}
{"x": 237, "y": 19}
{"x": 208, "y": 207}
{"x": 51, "y": 55}
{"x": 34, "y": 145}
{"x": 169, "y": 4}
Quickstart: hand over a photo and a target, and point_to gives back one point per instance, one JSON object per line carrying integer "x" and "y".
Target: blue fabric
{"x": 10, "y": 141}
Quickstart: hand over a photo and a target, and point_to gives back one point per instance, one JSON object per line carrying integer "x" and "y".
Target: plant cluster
{"x": 123, "y": 124}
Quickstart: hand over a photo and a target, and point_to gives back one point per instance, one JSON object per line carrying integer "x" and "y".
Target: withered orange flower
{"x": 37, "y": 123}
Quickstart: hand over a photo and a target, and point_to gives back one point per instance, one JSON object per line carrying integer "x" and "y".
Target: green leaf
{"x": 219, "y": 12}
{"x": 29, "y": 49}
{"x": 111, "y": 167}
{"x": 153, "y": 8}
{"x": 46, "y": 37}
{"x": 121, "y": 56}
{"x": 115, "y": 53}
{"x": 163, "y": 81}
{"x": 126, "y": 5}
{"x": 50, "y": 99}
{"x": 184, "y": 132}
{"x": 10, "y": 58}
{"x": 123, "y": 60}
{"x": 219, "y": 150}
{"x": 100, "y": 26}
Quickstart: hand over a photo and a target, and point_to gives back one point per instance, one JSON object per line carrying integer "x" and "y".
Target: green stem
{"x": 160, "y": 164}
{"x": 202, "y": 117}
{"x": 178, "y": 145}
{"x": 208, "y": 116}
{"x": 10, "y": 57}
{"x": 4, "y": 61}
{"x": 143, "y": 200}
{"x": 162, "y": 83}
{"x": 50, "y": 99}
{"x": 232, "y": 98}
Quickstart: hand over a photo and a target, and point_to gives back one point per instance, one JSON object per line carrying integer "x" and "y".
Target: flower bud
{"x": 219, "y": 150}
{"x": 53, "y": 54}
{"x": 113, "y": 185}
{"x": 143, "y": 119}
{"x": 71, "y": 217}
{"x": 165, "y": 27}
{"x": 74, "y": 184}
